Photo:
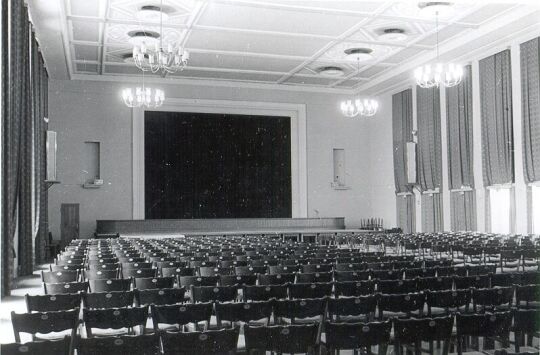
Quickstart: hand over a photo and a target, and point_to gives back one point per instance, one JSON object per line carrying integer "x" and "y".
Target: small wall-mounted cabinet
{"x": 339, "y": 169}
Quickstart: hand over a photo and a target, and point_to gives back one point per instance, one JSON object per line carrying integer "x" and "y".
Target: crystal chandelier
{"x": 143, "y": 96}
{"x": 166, "y": 60}
{"x": 437, "y": 74}
{"x": 365, "y": 107}
{"x": 359, "y": 107}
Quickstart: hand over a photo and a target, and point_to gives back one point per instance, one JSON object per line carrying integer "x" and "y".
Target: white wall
{"x": 92, "y": 111}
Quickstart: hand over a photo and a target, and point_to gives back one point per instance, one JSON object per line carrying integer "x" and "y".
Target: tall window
{"x": 536, "y": 209}
{"x": 499, "y": 200}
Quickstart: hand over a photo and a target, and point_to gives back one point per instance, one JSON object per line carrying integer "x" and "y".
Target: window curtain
{"x": 431, "y": 213}
{"x": 463, "y": 211}
{"x": 20, "y": 138}
{"x": 530, "y": 90}
{"x": 402, "y": 126}
{"x": 497, "y": 128}
{"x": 459, "y": 116}
{"x": 429, "y": 157}
{"x": 406, "y": 215}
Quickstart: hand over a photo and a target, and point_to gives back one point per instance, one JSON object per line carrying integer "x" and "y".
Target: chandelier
{"x": 143, "y": 96}
{"x": 437, "y": 74}
{"x": 365, "y": 107}
{"x": 166, "y": 59}
{"x": 359, "y": 107}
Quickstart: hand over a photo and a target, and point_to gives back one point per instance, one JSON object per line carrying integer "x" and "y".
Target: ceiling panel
{"x": 85, "y": 31}
{"x": 243, "y": 62}
{"x": 86, "y": 52}
{"x": 265, "y": 19}
{"x": 270, "y": 78}
{"x": 248, "y": 42}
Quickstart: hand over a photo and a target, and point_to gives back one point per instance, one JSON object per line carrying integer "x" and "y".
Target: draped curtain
{"x": 459, "y": 116}
{"x": 497, "y": 128}
{"x": 429, "y": 167}
{"x": 530, "y": 91}
{"x": 23, "y": 149}
{"x": 402, "y": 126}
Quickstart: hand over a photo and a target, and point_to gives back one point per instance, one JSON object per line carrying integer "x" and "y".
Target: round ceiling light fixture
{"x": 393, "y": 35}
{"x": 330, "y": 71}
{"x": 435, "y": 8}
{"x": 139, "y": 38}
{"x": 358, "y": 54}
{"x": 151, "y": 13}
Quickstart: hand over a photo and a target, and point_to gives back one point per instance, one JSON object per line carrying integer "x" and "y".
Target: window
{"x": 536, "y": 209}
{"x": 499, "y": 205}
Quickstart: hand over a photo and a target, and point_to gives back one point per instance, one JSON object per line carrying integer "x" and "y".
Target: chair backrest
{"x": 491, "y": 297}
{"x": 435, "y": 283}
{"x": 59, "y": 276}
{"x": 108, "y": 299}
{"x": 478, "y": 281}
{"x": 352, "y": 306}
{"x": 160, "y": 296}
{"x": 412, "y": 330}
{"x": 181, "y": 314}
{"x": 354, "y": 288}
{"x": 305, "y": 308}
{"x": 38, "y": 347}
{"x": 144, "y": 344}
{"x": 102, "y": 285}
{"x": 276, "y": 279}
{"x": 177, "y": 271}
{"x": 264, "y": 292}
{"x": 311, "y": 290}
{"x": 448, "y": 299}
{"x": 314, "y": 277}
{"x": 114, "y": 318}
{"x": 240, "y": 280}
{"x": 482, "y": 325}
{"x": 404, "y": 303}
{"x": 146, "y": 283}
{"x": 127, "y": 273}
{"x": 101, "y": 274}
{"x": 397, "y": 286}
{"x": 188, "y": 281}
{"x": 282, "y": 339}
{"x": 64, "y": 287}
{"x": 527, "y": 321}
{"x": 47, "y": 303}
{"x": 111, "y": 266}
{"x": 357, "y": 335}
{"x": 213, "y": 293}
{"x": 352, "y": 275}
{"x": 243, "y": 312}
{"x": 209, "y": 342}
{"x": 44, "y": 322}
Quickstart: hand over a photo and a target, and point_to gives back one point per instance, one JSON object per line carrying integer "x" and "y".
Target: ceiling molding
{"x": 213, "y": 82}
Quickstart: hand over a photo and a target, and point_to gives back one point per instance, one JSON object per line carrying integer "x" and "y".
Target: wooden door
{"x": 69, "y": 219}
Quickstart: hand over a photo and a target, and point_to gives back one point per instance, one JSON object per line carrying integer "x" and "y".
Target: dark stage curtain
{"x": 24, "y": 85}
{"x": 200, "y": 165}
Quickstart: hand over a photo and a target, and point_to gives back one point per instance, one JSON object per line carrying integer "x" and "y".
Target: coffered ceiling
{"x": 274, "y": 42}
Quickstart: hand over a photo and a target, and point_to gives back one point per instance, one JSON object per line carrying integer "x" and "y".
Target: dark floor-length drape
{"x": 459, "y": 118}
{"x": 430, "y": 157}
{"x": 23, "y": 151}
{"x": 402, "y": 127}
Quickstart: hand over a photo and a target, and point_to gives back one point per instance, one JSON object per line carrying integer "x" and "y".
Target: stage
{"x": 268, "y": 226}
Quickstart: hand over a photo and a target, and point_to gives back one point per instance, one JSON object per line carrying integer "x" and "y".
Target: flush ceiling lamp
{"x": 431, "y": 9}
{"x": 439, "y": 73}
{"x": 330, "y": 71}
{"x": 365, "y": 107}
{"x": 164, "y": 57}
{"x": 151, "y": 13}
{"x": 358, "y": 54}
{"x": 393, "y": 35}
